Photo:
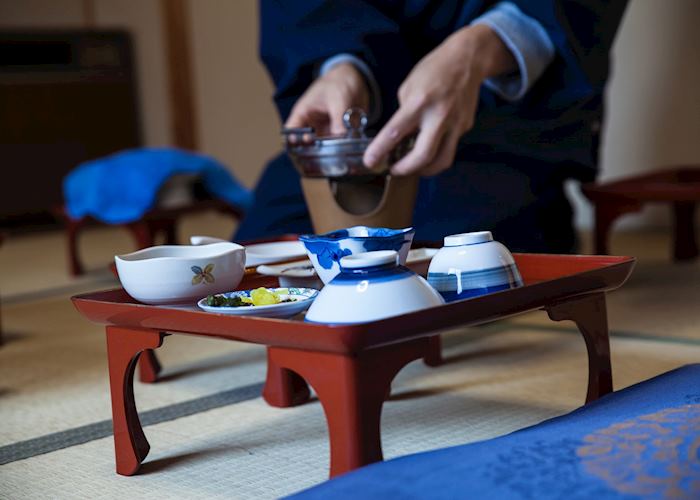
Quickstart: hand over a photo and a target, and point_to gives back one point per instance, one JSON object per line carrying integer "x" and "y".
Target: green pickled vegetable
{"x": 223, "y": 301}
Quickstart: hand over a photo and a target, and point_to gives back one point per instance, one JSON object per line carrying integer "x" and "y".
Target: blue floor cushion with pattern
{"x": 639, "y": 442}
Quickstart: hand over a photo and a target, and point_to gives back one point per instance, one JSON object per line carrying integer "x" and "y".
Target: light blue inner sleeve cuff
{"x": 529, "y": 43}
{"x": 375, "y": 100}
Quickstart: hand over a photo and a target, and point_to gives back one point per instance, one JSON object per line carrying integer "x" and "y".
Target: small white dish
{"x": 180, "y": 274}
{"x": 301, "y": 273}
{"x": 301, "y": 297}
{"x": 261, "y": 253}
{"x": 417, "y": 255}
{"x": 472, "y": 264}
{"x": 276, "y": 251}
{"x": 369, "y": 287}
{"x": 205, "y": 240}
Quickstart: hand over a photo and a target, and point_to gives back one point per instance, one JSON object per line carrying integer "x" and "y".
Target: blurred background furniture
{"x": 147, "y": 190}
{"x": 680, "y": 187}
{"x": 66, "y": 96}
{"x": 159, "y": 222}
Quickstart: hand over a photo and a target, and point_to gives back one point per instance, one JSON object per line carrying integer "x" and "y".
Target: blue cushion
{"x": 643, "y": 441}
{"x": 121, "y": 187}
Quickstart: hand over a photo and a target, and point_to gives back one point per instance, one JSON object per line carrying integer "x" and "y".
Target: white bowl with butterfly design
{"x": 181, "y": 274}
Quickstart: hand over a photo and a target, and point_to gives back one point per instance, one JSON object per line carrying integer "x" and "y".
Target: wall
{"x": 653, "y": 97}
{"x": 237, "y": 120}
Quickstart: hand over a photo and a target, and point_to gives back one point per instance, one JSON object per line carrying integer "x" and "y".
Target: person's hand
{"x": 323, "y": 104}
{"x": 439, "y": 98}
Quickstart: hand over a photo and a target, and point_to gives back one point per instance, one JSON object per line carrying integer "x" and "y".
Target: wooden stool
{"x": 678, "y": 186}
{"x": 145, "y": 230}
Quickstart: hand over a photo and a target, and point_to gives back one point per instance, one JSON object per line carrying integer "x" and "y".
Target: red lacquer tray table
{"x": 351, "y": 366}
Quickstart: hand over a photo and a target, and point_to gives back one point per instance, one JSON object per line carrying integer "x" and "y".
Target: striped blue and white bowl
{"x": 472, "y": 264}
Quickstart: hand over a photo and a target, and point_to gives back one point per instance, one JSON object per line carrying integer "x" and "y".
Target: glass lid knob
{"x": 355, "y": 121}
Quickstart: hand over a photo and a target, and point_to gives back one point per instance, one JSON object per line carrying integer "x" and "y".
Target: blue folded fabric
{"x": 640, "y": 442}
{"x": 121, "y": 187}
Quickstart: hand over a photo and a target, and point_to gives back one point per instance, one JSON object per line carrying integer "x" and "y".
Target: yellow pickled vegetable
{"x": 264, "y": 297}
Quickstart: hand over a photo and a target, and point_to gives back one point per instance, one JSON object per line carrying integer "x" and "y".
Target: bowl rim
{"x": 210, "y": 251}
{"x": 335, "y": 236}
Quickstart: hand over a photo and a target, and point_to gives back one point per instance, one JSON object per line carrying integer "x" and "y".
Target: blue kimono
{"x": 509, "y": 169}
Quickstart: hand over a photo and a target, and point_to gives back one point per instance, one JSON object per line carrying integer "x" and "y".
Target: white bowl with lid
{"x": 181, "y": 274}
{"x": 472, "y": 264}
{"x": 369, "y": 287}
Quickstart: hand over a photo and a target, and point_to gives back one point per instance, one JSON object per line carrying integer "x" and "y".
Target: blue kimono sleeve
{"x": 296, "y": 37}
{"x": 582, "y": 32}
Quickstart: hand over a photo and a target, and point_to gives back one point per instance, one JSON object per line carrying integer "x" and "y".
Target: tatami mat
{"x": 58, "y": 367}
{"x": 493, "y": 383}
{"x": 660, "y": 300}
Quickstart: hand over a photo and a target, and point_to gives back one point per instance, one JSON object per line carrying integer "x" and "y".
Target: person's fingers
{"x": 336, "y": 111}
{"x": 297, "y": 118}
{"x": 316, "y": 118}
{"x": 445, "y": 155}
{"x": 423, "y": 152}
{"x": 403, "y": 123}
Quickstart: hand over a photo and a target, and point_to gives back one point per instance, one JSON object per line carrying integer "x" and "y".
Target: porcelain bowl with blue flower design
{"x": 181, "y": 274}
{"x": 326, "y": 250}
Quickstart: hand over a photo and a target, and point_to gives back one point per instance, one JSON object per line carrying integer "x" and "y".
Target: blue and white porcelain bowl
{"x": 369, "y": 287}
{"x": 326, "y": 250}
{"x": 472, "y": 264}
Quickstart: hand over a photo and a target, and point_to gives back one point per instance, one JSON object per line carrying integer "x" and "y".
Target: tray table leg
{"x": 352, "y": 390}
{"x": 149, "y": 367}
{"x": 142, "y": 233}
{"x": 433, "y": 357}
{"x": 123, "y": 349}
{"x": 685, "y": 246}
{"x": 606, "y": 212}
{"x": 590, "y": 315}
{"x": 283, "y": 388}
{"x": 73, "y": 229}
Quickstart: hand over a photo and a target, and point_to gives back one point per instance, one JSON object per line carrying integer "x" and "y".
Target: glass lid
{"x": 304, "y": 141}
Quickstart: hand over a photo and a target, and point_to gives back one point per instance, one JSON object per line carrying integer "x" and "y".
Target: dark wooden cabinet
{"x": 65, "y": 97}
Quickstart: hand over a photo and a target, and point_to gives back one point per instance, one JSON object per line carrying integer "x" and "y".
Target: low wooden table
{"x": 351, "y": 366}
{"x": 679, "y": 187}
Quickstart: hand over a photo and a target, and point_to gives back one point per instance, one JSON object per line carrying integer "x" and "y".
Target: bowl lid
{"x": 456, "y": 240}
{"x": 370, "y": 259}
